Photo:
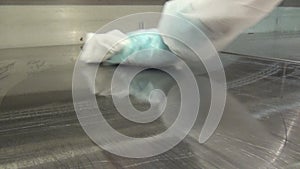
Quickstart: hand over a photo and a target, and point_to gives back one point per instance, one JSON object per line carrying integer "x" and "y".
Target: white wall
{"x": 27, "y": 26}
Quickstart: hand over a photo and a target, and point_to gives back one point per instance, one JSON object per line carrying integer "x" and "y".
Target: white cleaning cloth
{"x": 100, "y": 47}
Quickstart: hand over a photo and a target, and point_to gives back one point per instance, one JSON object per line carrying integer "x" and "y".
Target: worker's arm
{"x": 220, "y": 20}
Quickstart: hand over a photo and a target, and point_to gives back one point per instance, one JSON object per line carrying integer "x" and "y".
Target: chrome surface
{"x": 39, "y": 128}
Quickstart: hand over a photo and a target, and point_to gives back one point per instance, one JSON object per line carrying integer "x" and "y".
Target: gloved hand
{"x": 138, "y": 41}
{"x": 116, "y": 48}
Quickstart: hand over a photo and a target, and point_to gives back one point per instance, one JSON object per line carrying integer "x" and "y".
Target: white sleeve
{"x": 220, "y": 20}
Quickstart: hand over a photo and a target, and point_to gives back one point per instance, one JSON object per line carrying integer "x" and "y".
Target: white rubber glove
{"x": 97, "y": 49}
